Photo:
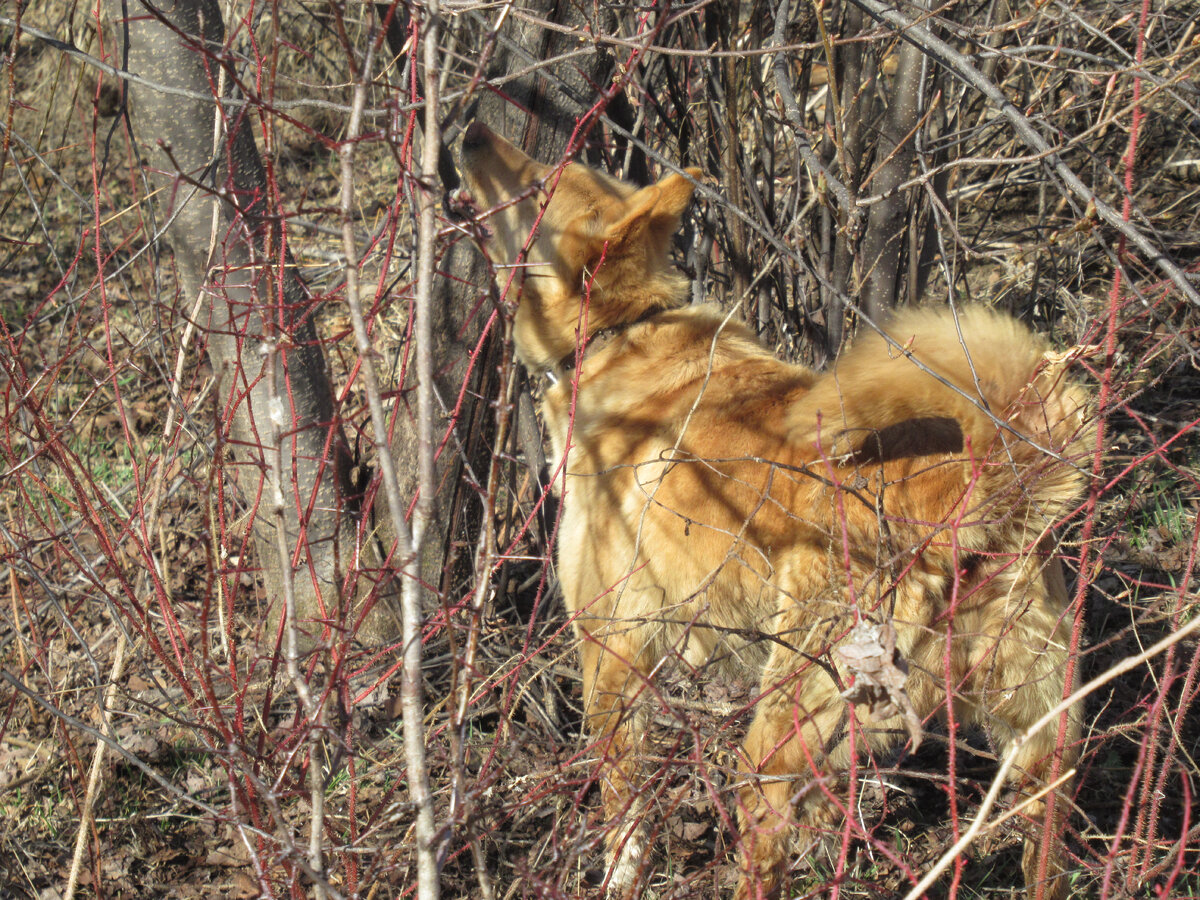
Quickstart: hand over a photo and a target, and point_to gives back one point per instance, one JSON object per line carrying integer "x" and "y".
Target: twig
{"x": 783, "y": 84}
{"x": 89, "y": 797}
{"x": 250, "y": 101}
{"x": 313, "y": 711}
{"x": 947, "y": 56}
{"x": 14, "y": 594}
{"x": 410, "y": 599}
{"x": 410, "y": 541}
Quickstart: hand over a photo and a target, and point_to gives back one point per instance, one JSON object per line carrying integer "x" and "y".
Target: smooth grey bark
{"x": 211, "y": 198}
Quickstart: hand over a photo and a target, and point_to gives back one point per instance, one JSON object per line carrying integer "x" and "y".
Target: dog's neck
{"x": 602, "y": 336}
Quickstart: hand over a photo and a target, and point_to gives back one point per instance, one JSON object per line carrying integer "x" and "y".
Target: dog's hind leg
{"x": 614, "y": 674}
{"x": 793, "y": 742}
{"x": 1017, "y": 675}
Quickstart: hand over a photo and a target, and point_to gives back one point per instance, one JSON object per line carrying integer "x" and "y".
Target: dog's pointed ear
{"x": 653, "y": 213}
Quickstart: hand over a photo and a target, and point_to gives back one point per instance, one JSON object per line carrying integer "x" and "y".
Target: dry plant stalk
{"x": 411, "y": 541}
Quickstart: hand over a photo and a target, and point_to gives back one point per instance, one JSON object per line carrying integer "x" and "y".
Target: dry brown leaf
{"x": 880, "y": 674}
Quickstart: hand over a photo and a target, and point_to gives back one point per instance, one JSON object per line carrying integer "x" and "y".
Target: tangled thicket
{"x": 1044, "y": 158}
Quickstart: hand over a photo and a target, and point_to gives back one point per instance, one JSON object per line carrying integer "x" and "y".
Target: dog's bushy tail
{"x": 979, "y": 382}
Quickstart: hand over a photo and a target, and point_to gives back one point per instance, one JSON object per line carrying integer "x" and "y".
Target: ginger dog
{"x": 731, "y": 510}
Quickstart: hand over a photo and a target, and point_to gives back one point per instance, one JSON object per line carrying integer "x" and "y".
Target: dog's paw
{"x": 629, "y": 871}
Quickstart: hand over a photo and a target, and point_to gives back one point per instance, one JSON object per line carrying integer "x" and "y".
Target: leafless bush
{"x": 170, "y": 725}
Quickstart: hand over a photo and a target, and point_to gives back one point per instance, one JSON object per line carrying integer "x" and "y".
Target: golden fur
{"x": 740, "y": 512}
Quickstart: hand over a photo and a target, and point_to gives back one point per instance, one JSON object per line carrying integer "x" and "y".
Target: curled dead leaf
{"x": 880, "y": 674}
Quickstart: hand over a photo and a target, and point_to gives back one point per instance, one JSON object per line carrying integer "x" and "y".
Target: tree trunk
{"x": 276, "y": 400}
{"x": 884, "y": 236}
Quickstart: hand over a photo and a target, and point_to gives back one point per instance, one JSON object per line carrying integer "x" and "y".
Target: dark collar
{"x": 603, "y": 336}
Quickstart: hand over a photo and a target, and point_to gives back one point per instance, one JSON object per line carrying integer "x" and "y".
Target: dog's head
{"x": 599, "y": 254}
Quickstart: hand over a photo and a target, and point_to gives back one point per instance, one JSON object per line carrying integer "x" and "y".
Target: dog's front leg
{"x": 613, "y": 677}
